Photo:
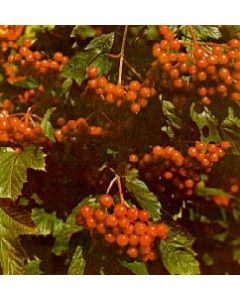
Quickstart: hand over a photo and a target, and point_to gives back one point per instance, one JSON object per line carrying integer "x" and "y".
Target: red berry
{"x": 122, "y": 240}
{"x": 106, "y": 200}
{"x": 133, "y": 240}
{"x": 225, "y": 145}
{"x": 99, "y": 214}
{"x": 110, "y": 238}
{"x": 90, "y": 222}
{"x": 145, "y": 240}
{"x": 162, "y": 230}
{"x": 85, "y": 211}
{"x": 132, "y": 252}
{"x": 120, "y": 210}
{"x": 101, "y": 229}
{"x": 133, "y": 213}
{"x": 111, "y": 220}
{"x": 140, "y": 228}
{"x": 92, "y": 72}
{"x": 144, "y": 215}
{"x": 123, "y": 222}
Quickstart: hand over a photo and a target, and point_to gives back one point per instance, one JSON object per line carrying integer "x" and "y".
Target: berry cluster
{"x": 128, "y": 228}
{"x": 168, "y": 167}
{"x": 17, "y": 131}
{"x": 135, "y": 93}
{"x": 73, "y": 130}
{"x": 210, "y": 70}
{"x": 9, "y": 35}
{"x": 32, "y": 63}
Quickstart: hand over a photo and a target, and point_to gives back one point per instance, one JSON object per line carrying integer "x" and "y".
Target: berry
{"x": 140, "y": 228}
{"x": 144, "y": 215}
{"x": 92, "y": 72}
{"x": 145, "y": 240}
{"x": 120, "y": 210}
{"x": 99, "y": 214}
{"x": 90, "y": 222}
{"x": 110, "y": 238}
{"x": 85, "y": 211}
{"x": 122, "y": 240}
{"x": 111, "y": 220}
{"x": 132, "y": 252}
{"x": 133, "y": 213}
{"x": 133, "y": 240}
{"x": 101, "y": 229}
{"x": 162, "y": 230}
{"x": 106, "y": 200}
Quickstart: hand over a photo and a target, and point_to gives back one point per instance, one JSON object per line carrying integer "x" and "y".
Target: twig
{"x": 133, "y": 69}
{"x": 122, "y": 55}
{"x": 120, "y": 190}
{"x": 111, "y": 184}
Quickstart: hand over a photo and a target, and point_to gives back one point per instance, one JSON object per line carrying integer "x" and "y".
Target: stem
{"x": 122, "y": 55}
{"x": 132, "y": 69}
{"x": 120, "y": 190}
{"x": 194, "y": 39}
{"x": 111, "y": 184}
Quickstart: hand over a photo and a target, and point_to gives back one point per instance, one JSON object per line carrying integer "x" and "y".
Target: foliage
{"x": 143, "y": 113}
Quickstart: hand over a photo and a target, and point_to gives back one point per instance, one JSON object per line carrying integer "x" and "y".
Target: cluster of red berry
{"x": 8, "y": 36}
{"x": 16, "y": 131}
{"x": 33, "y": 62}
{"x": 128, "y": 228}
{"x": 75, "y": 129}
{"x": 222, "y": 200}
{"x": 135, "y": 93}
{"x": 210, "y": 70}
{"x": 167, "y": 165}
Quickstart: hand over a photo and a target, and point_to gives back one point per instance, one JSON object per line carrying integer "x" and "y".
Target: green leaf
{"x": 230, "y": 129}
{"x": 83, "y": 31}
{"x": 169, "y": 112}
{"x": 137, "y": 267}
{"x": 14, "y": 221}
{"x": 144, "y": 196}
{"x": 47, "y": 126}
{"x": 31, "y": 31}
{"x": 203, "y": 32}
{"x": 46, "y": 223}
{"x": 29, "y": 83}
{"x": 207, "y": 125}
{"x": 94, "y": 53}
{"x": 204, "y": 192}
{"x": 33, "y": 267}
{"x": 13, "y": 169}
{"x": 37, "y": 199}
{"x": 62, "y": 231}
{"x": 78, "y": 263}
{"x": 76, "y": 67}
{"x": 103, "y": 64}
{"x": 104, "y": 42}
{"x": 177, "y": 254}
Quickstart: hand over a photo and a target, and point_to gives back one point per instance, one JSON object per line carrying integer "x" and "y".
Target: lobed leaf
{"x": 13, "y": 169}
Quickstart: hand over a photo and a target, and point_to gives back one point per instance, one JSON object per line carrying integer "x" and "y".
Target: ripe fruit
{"x": 120, "y": 210}
{"x": 144, "y": 215}
{"x": 111, "y": 220}
{"x": 99, "y": 214}
{"x": 162, "y": 230}
{"x": 92, "y": 72}
{"x": 133, "y": 213}
{"x": 140, "y": 228}
{"x": 122, "y": 240}
{"x": 85, "y": 211}
{"x": 106, "y": 200}
{"x": 132, "y": 252}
